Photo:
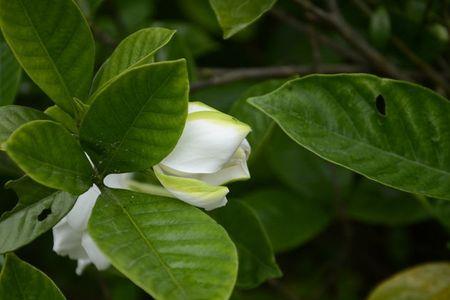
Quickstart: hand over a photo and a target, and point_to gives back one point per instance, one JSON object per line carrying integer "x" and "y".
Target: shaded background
{"x": 336, "y": 234}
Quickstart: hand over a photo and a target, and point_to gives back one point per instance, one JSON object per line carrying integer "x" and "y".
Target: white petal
{"x": 95, "y": 255}
{"x": 78, "y": 217}
{"x": 209, "y": 140}
{"x": 236, "y": 169}
{"x": 118, "y": 181}
{"x": 193, "y": 191}
{"x": 67, "y": 241}
{"x": 195, "y": 106}
{"x": 81, "y": 265}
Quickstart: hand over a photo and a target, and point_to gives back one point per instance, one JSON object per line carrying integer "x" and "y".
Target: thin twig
{"x": 223, "y": 76}
{"x": 322, "y": 39}
{"x": 353, "y": 38}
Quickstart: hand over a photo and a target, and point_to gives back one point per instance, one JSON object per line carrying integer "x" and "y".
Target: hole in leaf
{"x": 44, "y": 214}
{"x": 381, "y": 105}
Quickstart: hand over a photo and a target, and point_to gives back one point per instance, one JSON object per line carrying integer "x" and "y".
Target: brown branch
{"x": 223, "y": 76}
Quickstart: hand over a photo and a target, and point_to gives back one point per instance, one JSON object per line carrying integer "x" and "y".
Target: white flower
{"x": 211, "y": 152}
{"x": 70, "y": 235}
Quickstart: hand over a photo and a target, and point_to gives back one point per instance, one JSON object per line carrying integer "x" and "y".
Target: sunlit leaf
{"x": 59, "y": 61}
{"x": 168, "y": 248}
{"x": 136, "y": 121}
{"x": 10, "y": 74}
{"x": 50, "y": 155}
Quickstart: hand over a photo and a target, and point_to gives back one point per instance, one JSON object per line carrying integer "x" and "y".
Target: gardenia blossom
{"x": 70, "y": 235}
{"x": 211, "y": 152}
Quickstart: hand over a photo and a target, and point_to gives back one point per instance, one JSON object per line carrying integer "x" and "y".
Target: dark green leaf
{"x": 136, "y": 50}
{"x": 393, "y": 132}
{"x": 50, "y": 155}
{"x": 376, "y": 204}
{"x": 38, "y": 210}
{"x": 53, "y": 43}
{"x": 60, "y": 116}
{"x": 10, "y": 74}
{"x": 235, "y": 15}
{"x": 14, "y": 116}
{"x": 289, "y": 220}
{"x": 21, "y": 281}
{"x": 425, "y": 282}
{"x": 134, "y": 122}
{"x": 168, "y": 248}
{"x": 304, "y": 172}
{"x": 256, "y": 259}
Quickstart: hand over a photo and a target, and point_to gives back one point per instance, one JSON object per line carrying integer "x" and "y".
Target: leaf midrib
{"x": 115, "y": 151}
{"x": 293, "y": 115}
{"x": 66, "y": 89}
{"x": 148, "y": 243}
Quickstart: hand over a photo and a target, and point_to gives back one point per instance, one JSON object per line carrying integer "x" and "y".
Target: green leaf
{"x": 424, "y": 282}
{"x": 21, "y": 281}
{"x": 168, "y": 248}
{"x": 38, "y": 210}
{"x": 50, "y": 155}
{"x": 10, "y": 74}
{"x": 235, "y": 15}
{"x": 8, "y": 168}
{"x": 288, "y": 219}
{"x": 304, "y": 172}
{"x": 136, "y": 121}
{"x": 380, "y": 27}
{"x": 393, "y": 132}
{"x": 136, "y": 50}
{"x": 256, "y": 259}
{"x": 262, "y": 125}
{"x": 14, "y": 116}
{"x": 60, "y": 116}
{"x": 53, "y": 43}
{"x": 376, "y": 204}
{"x": 89, "y": 7}
{"x": 439, "y": 209}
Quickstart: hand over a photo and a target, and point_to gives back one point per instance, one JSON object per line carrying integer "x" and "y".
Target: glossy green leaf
{"x": 376, "y": 204}
{"x": 380, "y": 27}
{"x": 10, "y": 74}
{"x": 60, "y": 116}
{"x": 256, "y": 258}
{"x": 136, "y": 121}
{"x": 89, "y": 7}
{"x": 136, "y": 50}
{"x": 235, "y": 15}
{"x": 168, "y": 248}
{"x": 21, "y": 281}
{"x": 288, "y": 219}
{"x": 38, "y": 210}
{"x": 424, "y": 282}
{"x": 14, "y": 116}
{"x": 53, "y": 43}
{"x": 50, "y": 155}
{"x": 393, "y": 132}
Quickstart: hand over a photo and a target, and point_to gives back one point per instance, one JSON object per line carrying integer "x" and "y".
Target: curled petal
{"x": 67, "y": 240}
{"x": 95, "y": 255}
{"x": 195, "y": 106}
{"x": 78, "y": 217}
{"x": 118, "y": 181}
{"x": 193, "y": 191}
{"x": 209, "y": 140}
